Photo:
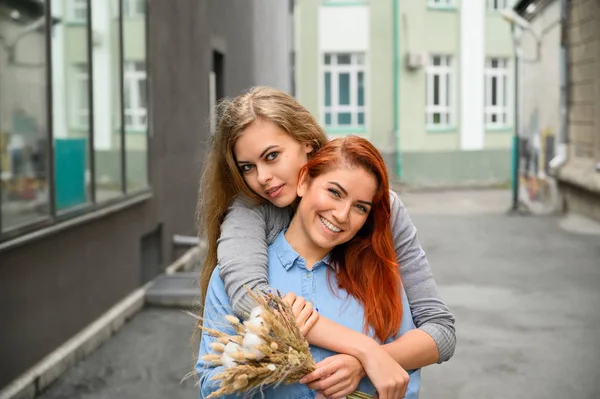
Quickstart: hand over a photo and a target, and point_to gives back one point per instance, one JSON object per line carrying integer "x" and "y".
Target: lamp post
{"x": 516, "y": 21}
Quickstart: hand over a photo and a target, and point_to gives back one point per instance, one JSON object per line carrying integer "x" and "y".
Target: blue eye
{"x": 272, "y": 155}
{"x": 245, "y": 168}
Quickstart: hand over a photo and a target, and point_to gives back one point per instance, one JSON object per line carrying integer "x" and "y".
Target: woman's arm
{"x": 246, "y": 232}
{"x": 413, "y": 350}
{"x": 216, "y": 307}
{"x": 430, "y": 313}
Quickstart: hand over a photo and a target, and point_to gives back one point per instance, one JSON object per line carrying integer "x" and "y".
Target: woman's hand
{"x": 336, "y": 376}
{"x": 390, "y": 380}
{"x": 306, "y": 316}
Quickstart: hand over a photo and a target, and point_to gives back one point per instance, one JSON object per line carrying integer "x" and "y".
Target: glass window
{"x": 89, "y": 97}
{"x": 107, "y": 102}
{"x": 135, "y": 101}
{"x": 497, "y": 5}
{"x": 70, "y": 106}
{"x": 134, "y": 8}
{"x": 78, "y": 10}
{"x": 24, "y": 160}
{"x": 496, "y": 92}
{"x": 344, "y": 90}
{"x": 440, "y": 91}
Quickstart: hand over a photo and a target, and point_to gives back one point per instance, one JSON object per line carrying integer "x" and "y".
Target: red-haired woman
{"x": 338, "y": 254}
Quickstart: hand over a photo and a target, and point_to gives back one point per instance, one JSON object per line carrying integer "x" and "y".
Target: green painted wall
{"x": 425, "y": 30}
{"x": 449, "y": 168}
{"x": 380, "y": 123}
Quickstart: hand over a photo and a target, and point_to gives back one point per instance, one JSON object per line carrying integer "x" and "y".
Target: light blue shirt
{"x": 288, "y": 273}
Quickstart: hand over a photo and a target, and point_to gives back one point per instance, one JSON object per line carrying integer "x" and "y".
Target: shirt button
{"x": 307, "y": 274}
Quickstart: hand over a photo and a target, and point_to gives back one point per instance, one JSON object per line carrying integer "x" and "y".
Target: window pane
{"x": 360, "y": 58}
{"x": 344, "y": 89}
{"x": 436, "y": 60}
{"x": 505, "y": 91}
{"x": 327, "y": 59}
{"x": 23, "y": 127}
{"x": 136, "y": 102}
{"x": 344, "y": 118}
{"x": 361, "y": 89}
{"x": 343, "y": 59}
{"x": 436, "y": 90}
{"x": 107, "y": 103}
{"x": 361, "y": 118}
{"x": 437, "y": 118}
{"x": 448, "y": 90}
{"x": 494, "y": 90}
{"x": 327, "y": 89}
{"x": 71, "y": 110}
{"x": 328, "y": 118}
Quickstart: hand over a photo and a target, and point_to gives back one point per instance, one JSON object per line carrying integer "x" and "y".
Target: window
{"x": 344, "y": 89}
{"x": 496, "y": 5}
{"x": 440, "y": 91}
{"x": 496, "y": 92}
{"x": 56, "y": 166}
{"x": 80, "y": 109}
{"x": 78, "y": 10}
{"x": 135, "y": 95}
{"x": 441, "y": 3}
{"x": 134, "y": 8}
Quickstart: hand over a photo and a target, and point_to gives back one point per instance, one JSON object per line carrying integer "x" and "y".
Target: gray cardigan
{"x": 248, "y": 230}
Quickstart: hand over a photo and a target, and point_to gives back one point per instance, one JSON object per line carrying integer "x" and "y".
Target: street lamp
{"x": 515, "y": 21}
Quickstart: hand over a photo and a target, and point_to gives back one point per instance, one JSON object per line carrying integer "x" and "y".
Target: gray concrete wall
{"x": 273, "y": 43}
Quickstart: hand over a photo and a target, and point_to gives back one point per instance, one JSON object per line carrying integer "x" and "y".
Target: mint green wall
{"x": 380, "y": 123}
{"x": 449, "y": 168}
{"x": 425, "y": 30}
{"x": 307, "y": 54}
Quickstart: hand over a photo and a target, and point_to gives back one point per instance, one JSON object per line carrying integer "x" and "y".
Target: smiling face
{"x": 270, "y": 160}
{"x": 334, "y": 207}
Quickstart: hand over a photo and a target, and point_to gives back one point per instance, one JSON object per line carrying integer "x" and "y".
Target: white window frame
{"x": 133, "y": 108}
{"x": 80, "y": 116}
{"x": 499, "y": 110}
{"x": 441, "y": 3}
{"x": 133, "y": 8}
{"x": 447, "y": 91}
{"x": 78, "y": 10}
{"x": 357, "y": 65}
{"x": 497, "y": 5}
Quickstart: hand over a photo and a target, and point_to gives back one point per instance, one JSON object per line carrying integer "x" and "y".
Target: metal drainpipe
{"x": 562, "y": 154}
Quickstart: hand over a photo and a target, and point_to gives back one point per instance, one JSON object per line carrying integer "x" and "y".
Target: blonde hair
{"x": 221, "y": 178}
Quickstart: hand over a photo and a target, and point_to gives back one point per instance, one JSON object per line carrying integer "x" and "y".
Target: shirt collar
{"x": 287, "y": 255}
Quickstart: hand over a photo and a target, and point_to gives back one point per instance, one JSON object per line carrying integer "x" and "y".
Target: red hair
{"x": 366, "y": 266}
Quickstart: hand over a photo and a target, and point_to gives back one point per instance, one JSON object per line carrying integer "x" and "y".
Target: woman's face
{"x": 270, "y": 161}
{"x": 335, "y": 205}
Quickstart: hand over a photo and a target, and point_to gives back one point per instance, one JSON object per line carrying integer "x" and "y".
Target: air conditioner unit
{"x": 414, "y": 60}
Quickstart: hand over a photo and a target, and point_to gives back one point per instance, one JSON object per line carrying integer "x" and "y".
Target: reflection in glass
{"x": 135, "y": 97}
{"x": 23, "y": 116}
{"x": 70, "y": 101}
{"x": 106, "y": 99}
